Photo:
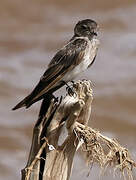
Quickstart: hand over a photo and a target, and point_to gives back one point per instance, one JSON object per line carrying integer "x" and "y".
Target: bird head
{"x": 86, "y": 28}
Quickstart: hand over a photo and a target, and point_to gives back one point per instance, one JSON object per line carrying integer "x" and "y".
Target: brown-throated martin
{"x": 75, "y": 57}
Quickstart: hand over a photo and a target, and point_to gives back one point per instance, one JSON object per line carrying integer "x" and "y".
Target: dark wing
{"x": 65, "y": 60}
{"x": 70, "y": 52}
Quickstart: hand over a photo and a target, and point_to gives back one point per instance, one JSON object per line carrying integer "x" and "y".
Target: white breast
{"x": 90, "y": 53}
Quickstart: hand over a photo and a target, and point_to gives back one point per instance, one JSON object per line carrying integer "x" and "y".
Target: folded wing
{"x": 65, "y": 60}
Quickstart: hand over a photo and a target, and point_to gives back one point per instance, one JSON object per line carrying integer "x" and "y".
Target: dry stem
{"x": 51, "y": 161}
{"x": 95, "y": 145}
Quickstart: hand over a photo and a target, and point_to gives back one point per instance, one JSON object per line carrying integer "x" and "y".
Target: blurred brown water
{"x": 31, "y": 31}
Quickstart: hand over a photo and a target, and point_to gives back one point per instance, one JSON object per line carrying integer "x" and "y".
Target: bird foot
{"x": 70, "y": 88}
{"x": 71, "y": 91}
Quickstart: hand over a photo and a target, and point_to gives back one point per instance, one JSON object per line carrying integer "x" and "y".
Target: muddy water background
{"x": 30, "y": 33}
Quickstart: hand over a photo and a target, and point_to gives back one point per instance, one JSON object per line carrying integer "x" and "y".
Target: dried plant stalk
{"x": 94, "y": 144}
{"x": 53, "y": 161}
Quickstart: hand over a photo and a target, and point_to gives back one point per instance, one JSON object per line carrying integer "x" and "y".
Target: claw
{"x": 73, "y": 82}
{"x": 70, "y": 91}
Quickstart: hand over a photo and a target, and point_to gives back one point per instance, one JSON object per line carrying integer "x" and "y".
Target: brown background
{"x": 30, "y": 33}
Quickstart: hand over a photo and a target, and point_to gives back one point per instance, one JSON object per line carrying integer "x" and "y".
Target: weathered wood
{"x": 52, "y": 151}
{"x": 56, "y": 164}
{"x": 32, "y": 172}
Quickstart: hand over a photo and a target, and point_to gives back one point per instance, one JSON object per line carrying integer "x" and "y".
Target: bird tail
{"x": 23, "y": 103}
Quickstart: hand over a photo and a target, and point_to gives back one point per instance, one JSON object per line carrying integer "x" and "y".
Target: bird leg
{"x": 72, "y": 82}
{"x": 70, "y": 89}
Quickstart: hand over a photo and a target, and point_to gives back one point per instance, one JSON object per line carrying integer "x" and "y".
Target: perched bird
{"x": 72, "y": 59}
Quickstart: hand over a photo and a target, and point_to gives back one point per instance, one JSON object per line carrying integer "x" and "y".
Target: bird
{"x": 73, "y": 58}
